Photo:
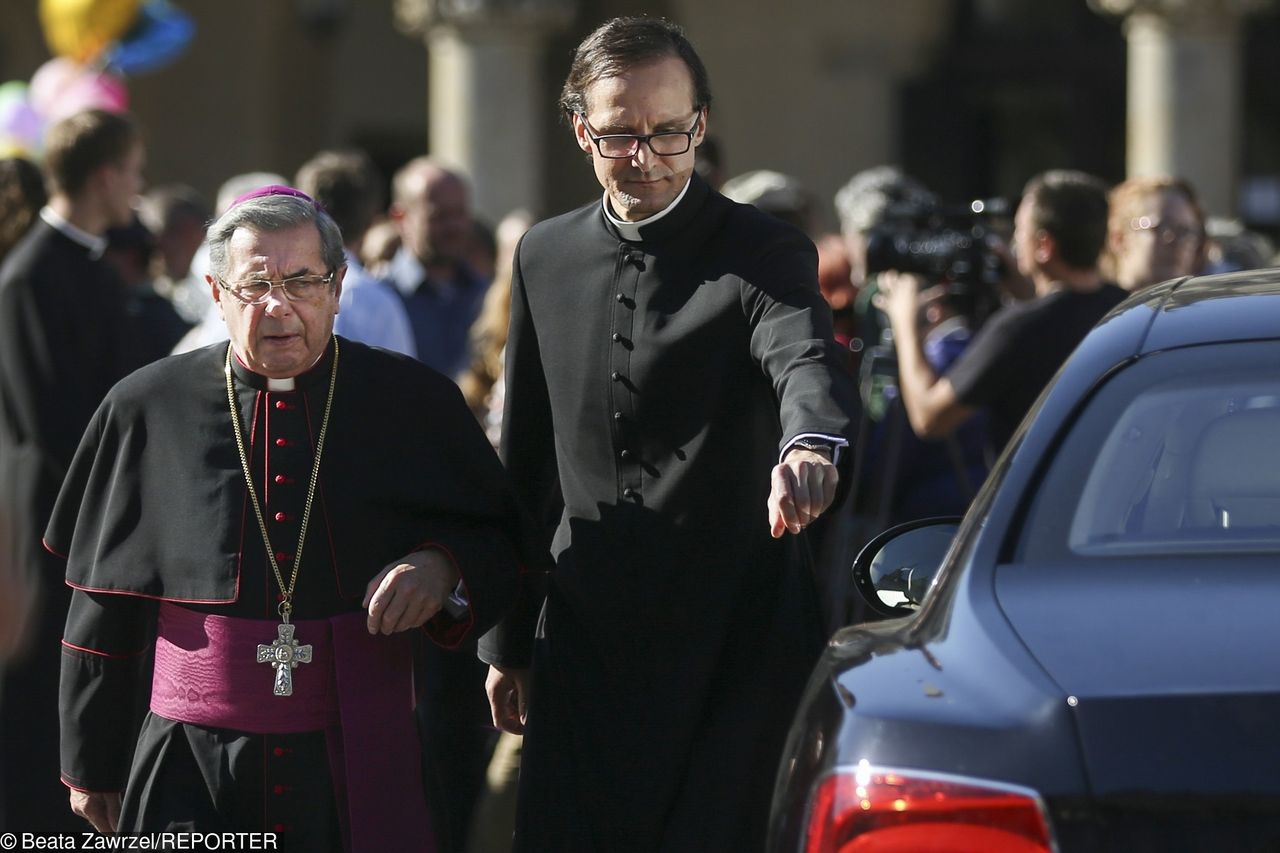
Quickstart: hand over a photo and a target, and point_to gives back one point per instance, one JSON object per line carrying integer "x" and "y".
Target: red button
{"x": 281, "y": 479}
{"x": 280, "y": 827}
{"x": 280, "y": 516}
{"x": 279, "y": 597}
{"x": 281, "y": 404}
{"x": 278, "y": 751}
{"x": 282, "y": 442}
{"x": 282, "y": 557}
{"x": 279, "y": 789}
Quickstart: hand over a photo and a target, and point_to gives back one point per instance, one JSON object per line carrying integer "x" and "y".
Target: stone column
{"x": 487, "y": 99}
{"x": 1184, "y": 91}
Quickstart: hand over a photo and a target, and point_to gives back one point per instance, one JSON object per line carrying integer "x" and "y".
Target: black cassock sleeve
{"x": 106, "y": 666}
{"x": 488, "y": 565}
{"x": 484, "y": 544}
{"x": 792, "y": 340}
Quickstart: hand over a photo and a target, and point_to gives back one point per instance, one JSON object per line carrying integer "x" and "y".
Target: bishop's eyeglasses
{"x": 619, "y": 146}
{"x": 298, "y": 288}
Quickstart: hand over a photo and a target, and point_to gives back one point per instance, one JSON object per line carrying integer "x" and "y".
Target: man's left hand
{"x": 409, "y": 591}
{"x": 803, "y": 486}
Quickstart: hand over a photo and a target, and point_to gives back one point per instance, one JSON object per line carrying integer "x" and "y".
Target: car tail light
{"x": 867, "y": 809}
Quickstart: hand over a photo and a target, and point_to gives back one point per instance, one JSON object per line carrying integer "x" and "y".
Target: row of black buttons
{"x": 629, "y": 492}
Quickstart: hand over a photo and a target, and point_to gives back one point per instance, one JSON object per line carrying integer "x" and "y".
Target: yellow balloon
{"x": 80, "y": 29}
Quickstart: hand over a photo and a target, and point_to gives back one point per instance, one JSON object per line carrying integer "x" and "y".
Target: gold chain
{"x": 286, "y": 594}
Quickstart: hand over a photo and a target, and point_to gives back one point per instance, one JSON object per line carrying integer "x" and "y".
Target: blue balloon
{"x": 160, "y": 36}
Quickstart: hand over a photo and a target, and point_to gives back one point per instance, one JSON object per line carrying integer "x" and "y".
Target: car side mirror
{"x": 895, "y": 570}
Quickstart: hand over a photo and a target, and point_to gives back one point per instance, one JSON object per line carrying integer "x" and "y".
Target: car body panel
{"x": 1162, "y": 626}
{"x": 1195, "y": 691}
{"x": 1232, "y": 307}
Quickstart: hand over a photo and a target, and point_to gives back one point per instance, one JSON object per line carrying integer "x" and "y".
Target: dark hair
{"x": 347, "y": 185}
{"x": 1072, "y": 208}
{"x": 625, "y": 43}
{"x": 270, "y": 213}
{"x": 134, "y": 237}
{"x": 165, "y": 205}
{"x": 81, "y": 144}
{"x": 21, "y": 197}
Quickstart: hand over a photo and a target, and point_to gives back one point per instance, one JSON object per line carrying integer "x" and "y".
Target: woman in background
{"x": 1155, "y": 232}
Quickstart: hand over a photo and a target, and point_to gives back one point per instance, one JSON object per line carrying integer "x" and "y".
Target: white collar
{"x": 406, "y": 272}
{"x": 631, "y": 230}
{"x": 286, "y": 384}
{"x": 409, "y": 275}
{"x": 93, "y": 242}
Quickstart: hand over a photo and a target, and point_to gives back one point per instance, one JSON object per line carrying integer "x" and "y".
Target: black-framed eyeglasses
{"x": 299, "y": 288}
{"x": 1167, "y": 233}
{"x": 619, "y": 146}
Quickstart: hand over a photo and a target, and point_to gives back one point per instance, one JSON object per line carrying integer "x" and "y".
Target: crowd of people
{"x": 701, "y": 404}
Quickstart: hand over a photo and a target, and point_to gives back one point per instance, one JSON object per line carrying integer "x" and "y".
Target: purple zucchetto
{"x": 274, "y": 189}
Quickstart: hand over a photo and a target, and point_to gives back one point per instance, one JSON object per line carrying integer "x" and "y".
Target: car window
{"x": 1178, "y": 453}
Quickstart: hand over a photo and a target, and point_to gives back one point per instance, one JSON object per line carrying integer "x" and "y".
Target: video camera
{"x": 950, "y": 245}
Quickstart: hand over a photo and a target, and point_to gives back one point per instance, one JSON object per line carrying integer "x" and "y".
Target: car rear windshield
{"x": 1177, "y": 454}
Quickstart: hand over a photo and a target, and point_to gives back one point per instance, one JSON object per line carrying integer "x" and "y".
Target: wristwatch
{"x": 457, "y": 605}
{"x": 815, "y": 444}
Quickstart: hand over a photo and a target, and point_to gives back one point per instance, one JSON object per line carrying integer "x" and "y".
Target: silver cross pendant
{"x": 284, "y": 654}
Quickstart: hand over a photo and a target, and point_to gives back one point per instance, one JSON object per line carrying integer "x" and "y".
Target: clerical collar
{"x": 315, "y": 376}
{"x": 631, "y": 230}
{"x": 94, "y": 243}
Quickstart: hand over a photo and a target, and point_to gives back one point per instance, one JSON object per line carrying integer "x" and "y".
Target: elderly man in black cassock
{"x": 270, "y": 520}
{"x": 672, "y": 375}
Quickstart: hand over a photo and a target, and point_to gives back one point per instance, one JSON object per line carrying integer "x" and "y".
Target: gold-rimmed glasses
{"x": 298, "y": 288}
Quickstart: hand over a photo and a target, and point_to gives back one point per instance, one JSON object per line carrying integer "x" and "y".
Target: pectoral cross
{"x": 284, "y": 654}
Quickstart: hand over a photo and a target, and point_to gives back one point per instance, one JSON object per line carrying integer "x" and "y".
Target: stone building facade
{"x": 972, "y": 95}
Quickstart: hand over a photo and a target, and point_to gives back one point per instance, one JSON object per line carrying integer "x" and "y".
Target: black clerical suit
{"x": 656, "y": 382}
{"x": 155, "y": 510}
{"x": 64, "y": 340}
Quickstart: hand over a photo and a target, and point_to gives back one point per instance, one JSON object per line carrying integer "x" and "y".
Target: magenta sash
{"x": 358, "y": 689}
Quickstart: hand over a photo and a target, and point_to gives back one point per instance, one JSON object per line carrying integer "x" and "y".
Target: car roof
{"x": 1206, "y": 309}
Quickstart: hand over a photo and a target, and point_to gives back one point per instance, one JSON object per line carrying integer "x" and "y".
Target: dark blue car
{"x": 1090, "y": 659}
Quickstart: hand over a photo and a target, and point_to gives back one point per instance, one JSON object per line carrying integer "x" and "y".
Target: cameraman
{"x": 1059, "y": 232}
{"x": 898, "y": 476}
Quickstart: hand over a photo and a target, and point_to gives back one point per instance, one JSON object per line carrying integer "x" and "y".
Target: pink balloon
{"x": 62, "y": 87}
{"x": 49, "y": 81}
{"x": 92, "y": 91}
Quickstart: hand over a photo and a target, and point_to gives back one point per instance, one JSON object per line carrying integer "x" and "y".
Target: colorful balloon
{"x": 161, "y": 35}
{"x": 82, "y": 29}
{"x": 20, "y": 126}
{"x": 61, "y": 87}
{"x": 50, "y": 80}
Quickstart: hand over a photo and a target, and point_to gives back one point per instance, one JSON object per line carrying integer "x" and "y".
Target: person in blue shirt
{"x": 431, "y": 205}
